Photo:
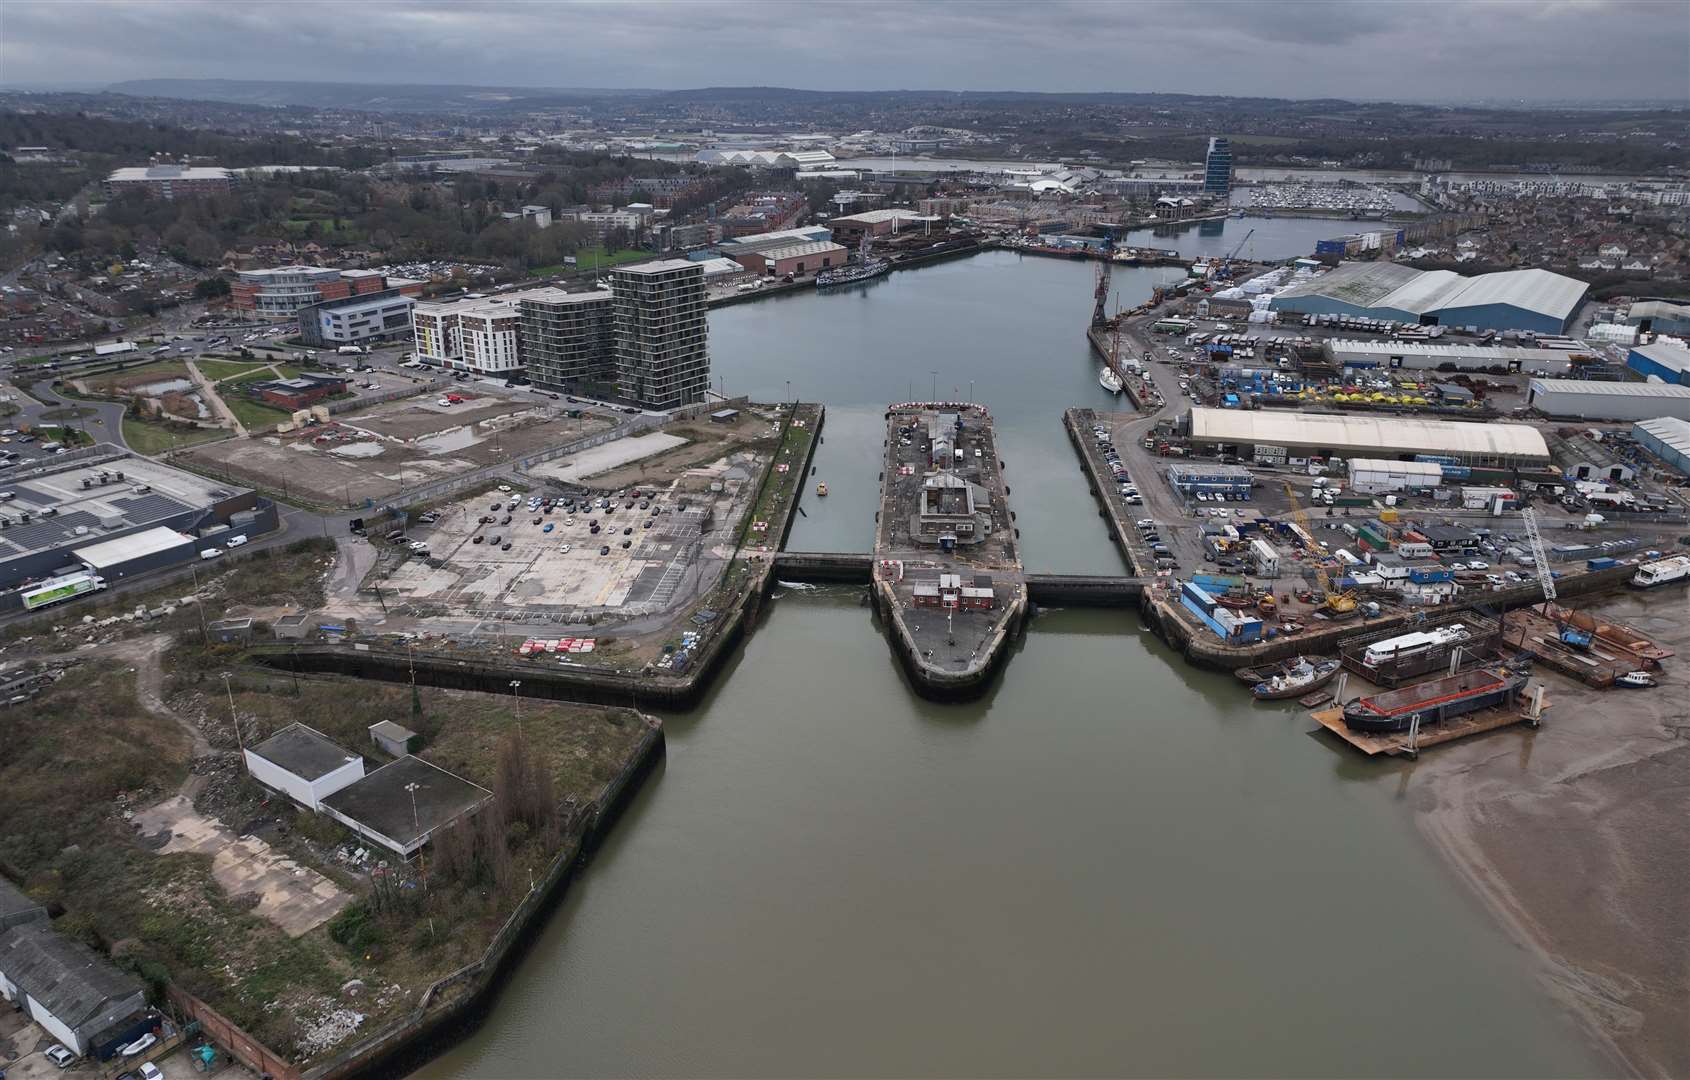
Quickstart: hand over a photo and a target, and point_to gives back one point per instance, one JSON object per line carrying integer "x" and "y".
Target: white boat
{"x": 1661, "y": 572}
{"x": 1110, "y": 381}
{"x": 1638, "y": 679}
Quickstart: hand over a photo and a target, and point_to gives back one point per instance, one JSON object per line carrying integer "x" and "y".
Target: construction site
{"x": 371, "y": 455}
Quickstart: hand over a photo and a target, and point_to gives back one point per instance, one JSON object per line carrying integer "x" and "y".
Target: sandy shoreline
{"x": 1577, "y": 837}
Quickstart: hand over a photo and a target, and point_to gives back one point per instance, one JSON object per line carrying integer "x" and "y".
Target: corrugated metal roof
{"x": 1403, "y": 288}
{"x": 1670, "y": 430}
{"x": 70, "y": 980}
{"x": 1363, "y": 284}
{"x": 1666, "y": 354}
{"x": 1542, "y": 291}
{"x": 803, "y": 247}
{"x": 1399, "y": 468}
{"x": 1277, "y": 428}
{"x": 1608, "y": 389}
{"x": 133, "y": 546}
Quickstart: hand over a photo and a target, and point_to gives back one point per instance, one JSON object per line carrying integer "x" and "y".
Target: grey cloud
{"x": 1598, "y": 49}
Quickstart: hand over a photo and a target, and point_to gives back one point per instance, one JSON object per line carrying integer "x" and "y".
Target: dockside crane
{"x": 1230, "y": 259}
{"x": 1100, "y": 304}
{"x": 1337, "y": 605}
{"x": 1540, "y": 561}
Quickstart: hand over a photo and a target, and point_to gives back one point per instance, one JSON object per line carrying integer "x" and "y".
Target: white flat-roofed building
{"x": 137, "y": 552}
{"x": 376, "y": 317}
{"x": 1365, "y": 436}
{"x": 170, "y": 181}
{"x": 1588, "y": 400}
{"x": 1431, "y": 355}
{"x": 469, "y": 335}
{"x": 303, "y": 764}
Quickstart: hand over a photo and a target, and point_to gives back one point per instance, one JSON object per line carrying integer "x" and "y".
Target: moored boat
{"x": 821, "y": 489}
{"x": 1110, "y": 381}
{"x": 1300, "y": 680}
{"x": 1431, "y": 702}
{"x": 1250, "y": 676}
{"x": 1637, "y": 680}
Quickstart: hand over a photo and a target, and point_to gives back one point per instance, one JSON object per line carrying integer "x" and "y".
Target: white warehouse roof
{"x": 1396, "y": 433}
{"x": 1430, "y": 469}
{"x": 1665, "y": 353}
{"x": 1394, "y": 287}
{"x": 1608, "y": 389}
{"x": 1670, "y": 430}
{"x": 134, "y": 546}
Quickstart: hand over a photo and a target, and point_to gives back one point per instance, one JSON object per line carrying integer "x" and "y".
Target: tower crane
{"x": 1337, "y": 605}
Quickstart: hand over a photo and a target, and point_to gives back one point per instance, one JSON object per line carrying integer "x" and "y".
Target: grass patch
{"x": 594, "y": 259}
{"x": 218, "y": 370}
{"x": 44, "y": 358}
{"x": 145, "y": 437}
{"x": 255, "y": 414}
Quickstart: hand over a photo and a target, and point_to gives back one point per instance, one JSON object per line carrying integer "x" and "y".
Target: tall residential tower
{"x": 662, "y": 360}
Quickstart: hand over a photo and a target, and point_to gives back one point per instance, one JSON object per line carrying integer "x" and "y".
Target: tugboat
{"x": 821, "y": 489}
{"x": 1297, "y": 681}
{"x": 1637, "y": 680}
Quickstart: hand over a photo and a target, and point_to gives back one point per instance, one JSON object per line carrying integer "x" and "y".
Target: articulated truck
{"x": 53, "y": 590}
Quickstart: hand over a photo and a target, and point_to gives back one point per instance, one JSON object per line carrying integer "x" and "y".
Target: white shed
{"x": 303, "y": 764}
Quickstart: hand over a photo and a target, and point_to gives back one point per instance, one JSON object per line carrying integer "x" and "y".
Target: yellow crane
{"x": 1338, "y": 605}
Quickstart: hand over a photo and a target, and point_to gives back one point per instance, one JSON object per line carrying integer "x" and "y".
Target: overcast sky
{"x": 1358, "y": 49}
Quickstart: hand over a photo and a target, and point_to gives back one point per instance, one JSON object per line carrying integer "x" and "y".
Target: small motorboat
{"x": 1298, "y": 681}
{"x": 1637, "y": 680}
{"x": 821, "y": 489}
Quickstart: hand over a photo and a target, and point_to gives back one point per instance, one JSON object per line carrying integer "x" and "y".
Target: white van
{"x": 235, "y": 541}
{"x": 211, "y": 553}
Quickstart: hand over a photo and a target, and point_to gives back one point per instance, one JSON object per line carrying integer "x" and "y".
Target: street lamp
{"x": 516, "y": 684}
{"x": 234, "y": 721}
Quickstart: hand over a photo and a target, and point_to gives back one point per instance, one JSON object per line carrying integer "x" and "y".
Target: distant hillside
{"x": 374, "y": 97}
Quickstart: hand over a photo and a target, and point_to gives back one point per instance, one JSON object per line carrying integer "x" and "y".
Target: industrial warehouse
{"x": 126, "y": 513}
{"x": 1366, "y": 436}
{"x": 1588, "y": 400}
{"x": 1535, "y": 300}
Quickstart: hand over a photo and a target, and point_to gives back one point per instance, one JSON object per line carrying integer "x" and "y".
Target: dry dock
{"x": 947, "y": 574}
{"x": 1403, "y": 742}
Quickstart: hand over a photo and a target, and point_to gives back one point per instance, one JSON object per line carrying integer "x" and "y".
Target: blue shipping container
{"x": 1602, "y": 563}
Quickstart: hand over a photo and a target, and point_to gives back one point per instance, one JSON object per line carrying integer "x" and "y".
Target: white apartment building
{"x": 468, "y": 335}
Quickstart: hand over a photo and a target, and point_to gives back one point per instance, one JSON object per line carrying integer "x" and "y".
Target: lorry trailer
{"x": 54, "y": 590}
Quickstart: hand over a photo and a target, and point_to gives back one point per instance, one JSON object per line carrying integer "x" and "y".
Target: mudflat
{"x": 1578, "y": 836}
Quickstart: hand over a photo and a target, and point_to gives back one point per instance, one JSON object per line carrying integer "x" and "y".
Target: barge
{"x": 1434, "y": 702}
{"x": 947, "y": 572}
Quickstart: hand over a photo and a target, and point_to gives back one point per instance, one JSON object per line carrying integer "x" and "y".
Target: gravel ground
{"x": 1578, "y": 837}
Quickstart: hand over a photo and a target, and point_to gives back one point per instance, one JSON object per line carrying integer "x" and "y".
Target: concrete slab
{"x": 294, "y": 897}
{"x": 600, "y": 459}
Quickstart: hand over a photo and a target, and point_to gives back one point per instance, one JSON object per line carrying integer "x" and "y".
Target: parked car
{"x": 506, "y": 546}
{"x": 504, "y": 488}
{"x": 604, "y": 550}
{"x": 627, "y": 543}
{"x": 149, "y": 1071}
{"x": 59, "y": 1056}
